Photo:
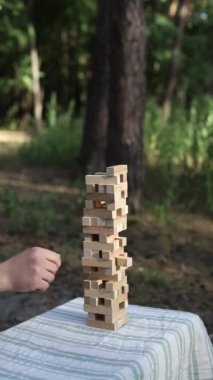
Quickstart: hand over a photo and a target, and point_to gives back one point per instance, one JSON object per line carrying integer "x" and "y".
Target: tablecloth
{"x": 156, "y": 344}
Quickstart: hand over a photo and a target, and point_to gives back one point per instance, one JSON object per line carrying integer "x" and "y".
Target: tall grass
{"x": 179, "y": 155}
{"x": 186, "y": 142}
{"x": 59, "y": 145}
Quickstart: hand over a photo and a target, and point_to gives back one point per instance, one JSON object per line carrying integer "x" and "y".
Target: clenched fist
{"x": 33, "y": 269}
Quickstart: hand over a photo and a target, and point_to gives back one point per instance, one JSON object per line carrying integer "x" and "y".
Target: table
{"x": 156, "y": 344}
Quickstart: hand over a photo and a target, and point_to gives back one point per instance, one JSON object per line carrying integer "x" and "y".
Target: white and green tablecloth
{"x": 155, "y": 344}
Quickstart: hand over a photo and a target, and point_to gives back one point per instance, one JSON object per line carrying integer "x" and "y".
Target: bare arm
{"x": 33, "y": 269}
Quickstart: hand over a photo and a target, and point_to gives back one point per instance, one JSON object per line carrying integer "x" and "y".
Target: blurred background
{"x": 89, "y": 83}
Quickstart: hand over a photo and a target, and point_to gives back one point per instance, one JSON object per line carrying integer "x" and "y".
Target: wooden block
{"x": 119, "y": 276}
{"x": 108, "y": 271}
{"x": 100, "y": 213}
{"x": 112, "y": 303}
{"x": 122, "y": 255}
{"x": 101, "y": 222}
{"x": 101, "y": 271}
{"x": 96, "y": 222}
{"x": 94, "y": 301}
{"x": 122, "y": 211}
{"x": 104, "y": 238}
{"x": 122, "y": 241}
{"x": 123, "y": 194}
{"x": 99, "y": 204}
{"x": 100, "y": 325}
{"x": 108, "y": 198}
{"x": 93, "y": 262}
{"x": 95, "y": 309}
{"x": 108, "y": 255}
{"x": 119, "y": 227}
{"x": 121, "y": 314}
{"x": 95, "y": 254}
{"x": 124, "y": 262}
{"x": 122, "y": 177}
{"x": 96, "y": 284}
{"x": 101, "y": 230}
{"x": 90, "y": 188}
{"x": 101, "y": 179}
{"x": 114, "y": 229}
{"x": 97, "y": 246}
{"x": 108, "y": 326}
{"x": 87, "y": 270}
{"x": 87, "y": 284}
{"x": 116, "y": 169}
{"x": 116, "y": 221}
{"x": 111, "y": 189}
{"x": 101, "y": 293}
{"x": 125, "y": 288}
{"x": 102, "y": 189}
{"x": 114, "y": 285}
{"x": 89, "y": 204}
{"x": 86, "y": 301}
{"x": 101, "y": 309}
{"x": 96, "y": 276}
{"x": 87, "y": 253}
{"x": 116, "y": 205}
{"x": 87, "y": 237}
{"x": 86, "y": 221}
{"x": 91, "y": 317}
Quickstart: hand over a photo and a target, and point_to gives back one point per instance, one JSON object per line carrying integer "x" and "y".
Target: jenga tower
{"x": 104, "y": 259}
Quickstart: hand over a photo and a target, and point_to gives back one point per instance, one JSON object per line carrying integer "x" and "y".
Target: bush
{"x": 59, "y": 145}
{"x": 179, "y": 155}
{"x": 186, "y": 141}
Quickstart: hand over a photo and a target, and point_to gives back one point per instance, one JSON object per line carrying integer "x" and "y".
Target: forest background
{"x": 60, "y": 64}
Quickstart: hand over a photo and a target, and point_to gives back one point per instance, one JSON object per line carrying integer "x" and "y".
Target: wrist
{"x": 5, "y": 281}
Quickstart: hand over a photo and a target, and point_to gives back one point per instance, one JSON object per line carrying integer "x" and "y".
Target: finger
{"x": 51, "y": 267}
{"x": 43, "y": 286}
{"x": 48, "y": 276}
{"x": 54, "y": 258}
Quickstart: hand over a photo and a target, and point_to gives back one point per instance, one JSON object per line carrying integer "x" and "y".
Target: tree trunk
{"x": 37, "y": 94}
{"x": 127, "y": 92}
{"x": 182, "y": 11}
{"x": 96, "y": 120}
{"x": 34, "y": 58}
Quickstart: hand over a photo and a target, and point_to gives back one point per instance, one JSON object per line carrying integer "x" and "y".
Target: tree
{"x": 181, "y": 7}
{"x": 96, "y": 120}
{"x": 34, "y": 58}
{"x": 115, "y": 104}
{"x": 127, "y": 91}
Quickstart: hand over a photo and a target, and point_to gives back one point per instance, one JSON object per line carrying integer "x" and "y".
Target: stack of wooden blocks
{"x": 104, "y": 259}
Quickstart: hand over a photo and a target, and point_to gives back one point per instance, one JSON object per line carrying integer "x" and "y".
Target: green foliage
{"x": 9, "y": 201}
{"x": 63, "y": 38}
{"x": 185, "y": 142}
{"x": 195, "y": 69}
{"x": 14, "y": 59}
{"x": 33, "y": 215}
{"x": 36, "y": 215}
{"x": 148, "y": 278}
{"x": 182, "y": 153}
{"x": 59, "y": 145}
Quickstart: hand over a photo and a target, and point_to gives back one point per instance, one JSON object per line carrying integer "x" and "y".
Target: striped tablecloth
{"x": 156, "y": 344}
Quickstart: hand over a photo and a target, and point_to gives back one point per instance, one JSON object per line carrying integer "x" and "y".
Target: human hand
{"x": 30, "y": 270}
